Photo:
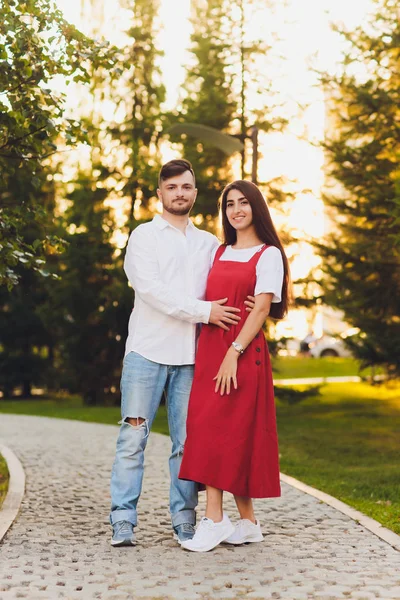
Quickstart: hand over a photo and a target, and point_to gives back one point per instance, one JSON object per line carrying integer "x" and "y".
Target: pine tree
{"x": 209, "y": 99}
{"x": 139, "y": 94}
{"x": 91, "y": 300}
{"x": 362, "y": 255}
{"x": 227, "y": 71}
{"x": 258, "y": 106}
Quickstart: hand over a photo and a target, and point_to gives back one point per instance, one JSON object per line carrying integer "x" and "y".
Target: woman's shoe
{"x": 209, "y": 535}
{"x": 245, "y": 531}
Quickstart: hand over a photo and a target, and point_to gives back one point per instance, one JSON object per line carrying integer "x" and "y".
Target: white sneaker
{"x": 209, "y": 534}
{"x": 245, "y": 531}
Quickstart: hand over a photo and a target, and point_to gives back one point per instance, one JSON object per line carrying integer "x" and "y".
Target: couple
{"x": 231, "y": 442}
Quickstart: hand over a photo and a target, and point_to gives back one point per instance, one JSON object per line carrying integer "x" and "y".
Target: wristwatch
{"x": 238, "y": 347}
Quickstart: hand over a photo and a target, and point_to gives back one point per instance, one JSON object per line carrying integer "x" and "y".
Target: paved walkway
{"x": 59, "y": 545}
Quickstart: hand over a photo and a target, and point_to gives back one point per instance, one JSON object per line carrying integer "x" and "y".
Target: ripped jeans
{"x": 142, "y": 386}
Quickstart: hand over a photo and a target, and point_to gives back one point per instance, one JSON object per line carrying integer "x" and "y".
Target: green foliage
{"x": 25, "y": 341}
{"x": 92, "y": 297}
{"x": 209, "y": 100}
{"x": 362, "y": 256}
{"x": 292, "y": 396}
{"x": 139, "y": 94}
{"x": 36, "y": 46}
{"x": 91, "y": 302}
{"x": 225, "y": 72}
{"x": 4, "y": 479}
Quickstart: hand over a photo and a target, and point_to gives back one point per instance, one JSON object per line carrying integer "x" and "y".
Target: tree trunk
{"x": 26, "y": 388}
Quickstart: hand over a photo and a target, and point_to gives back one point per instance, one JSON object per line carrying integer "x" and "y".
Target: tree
{"x": 25, "y": 341}
{"x": 258, "y": 107}
{"x": 362, "y": 255}
{"x": 217, "y": 93}
{"x": 91, "y": 302}
{"x": 139, "y": 94}
{"x": 36, "y": 45}
{"x": 209, "y": 100}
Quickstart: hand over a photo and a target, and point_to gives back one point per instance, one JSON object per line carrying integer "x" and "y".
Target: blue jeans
{"x": 142, "y": 386}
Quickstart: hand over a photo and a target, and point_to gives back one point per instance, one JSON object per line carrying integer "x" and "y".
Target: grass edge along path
{"x": 345, "y": 443}
{"x": 4, "y": 479}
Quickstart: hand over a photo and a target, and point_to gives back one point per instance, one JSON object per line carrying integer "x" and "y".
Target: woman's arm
{"x": 254, "y": 322}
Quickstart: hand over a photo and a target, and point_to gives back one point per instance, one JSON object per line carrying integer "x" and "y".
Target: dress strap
{"x": 219, "y": 253}
{"x": 257, "y": 255}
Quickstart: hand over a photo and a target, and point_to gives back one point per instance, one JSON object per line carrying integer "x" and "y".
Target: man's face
{"x": 178, "y": 194}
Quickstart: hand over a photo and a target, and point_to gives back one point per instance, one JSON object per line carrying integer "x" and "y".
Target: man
{"x": 167, "y": 263}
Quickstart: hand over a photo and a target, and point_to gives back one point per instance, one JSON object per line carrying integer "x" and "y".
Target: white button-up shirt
{"x": 168, "y": 271}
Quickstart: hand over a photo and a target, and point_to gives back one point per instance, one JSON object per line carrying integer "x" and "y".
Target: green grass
{"x": 3, "y": 479}
{"x": 289, "y": 367}
{"x": 345, "y": 443}
{"x": 72, "y": 407}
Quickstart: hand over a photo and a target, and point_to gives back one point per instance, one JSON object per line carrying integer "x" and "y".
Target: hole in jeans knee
{"x": 136, "y": 422}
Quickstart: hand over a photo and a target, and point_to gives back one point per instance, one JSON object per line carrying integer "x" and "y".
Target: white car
{"x": 329, "y": 346}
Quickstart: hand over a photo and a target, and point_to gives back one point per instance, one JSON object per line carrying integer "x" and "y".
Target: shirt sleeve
{"x": 143, "y": 271}
{"x": 269, "y": 273}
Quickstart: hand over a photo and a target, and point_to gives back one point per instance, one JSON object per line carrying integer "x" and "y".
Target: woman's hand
{"x": 227, "y": 372}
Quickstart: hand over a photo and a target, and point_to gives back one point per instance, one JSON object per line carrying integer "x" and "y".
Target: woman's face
{"x": 238, "y": 210}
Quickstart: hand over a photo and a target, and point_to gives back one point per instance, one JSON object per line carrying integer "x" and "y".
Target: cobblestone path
{"x": 59, "y": 546}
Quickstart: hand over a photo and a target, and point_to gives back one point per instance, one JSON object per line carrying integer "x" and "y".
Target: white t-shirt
{"x": 269, "y": 270}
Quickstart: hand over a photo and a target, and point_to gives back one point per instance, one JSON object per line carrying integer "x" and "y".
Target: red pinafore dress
{"x": 232, "y": 440}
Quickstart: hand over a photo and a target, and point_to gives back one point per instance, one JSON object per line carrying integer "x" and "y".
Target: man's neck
{"x": 178, "y": 221}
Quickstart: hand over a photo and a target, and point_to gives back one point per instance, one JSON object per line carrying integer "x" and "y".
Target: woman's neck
{"x": 246, "y": 239}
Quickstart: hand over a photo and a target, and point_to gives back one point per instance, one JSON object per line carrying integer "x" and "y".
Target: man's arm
{"x": 142, "y": 270}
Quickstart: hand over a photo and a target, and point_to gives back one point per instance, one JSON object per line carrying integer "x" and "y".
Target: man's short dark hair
{"x": 175, "y": 167}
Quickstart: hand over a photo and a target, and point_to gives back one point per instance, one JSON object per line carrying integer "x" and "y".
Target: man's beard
{"x": 179, "y": 212}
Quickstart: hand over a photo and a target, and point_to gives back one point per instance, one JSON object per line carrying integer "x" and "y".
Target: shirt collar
{"x": 162, "y": 223}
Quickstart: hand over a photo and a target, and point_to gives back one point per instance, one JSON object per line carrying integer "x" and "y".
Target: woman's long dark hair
{"x": 265, "y": 231}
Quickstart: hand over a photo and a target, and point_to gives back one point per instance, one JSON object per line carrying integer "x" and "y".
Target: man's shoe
{"x": 184, "y": 532}
{"x": 209, "y": 534}
{"x": 123, "y": 534}
{"x": 245, "y": 532}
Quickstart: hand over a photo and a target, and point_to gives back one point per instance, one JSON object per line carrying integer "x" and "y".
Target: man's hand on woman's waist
{"x": 222, "y": 316}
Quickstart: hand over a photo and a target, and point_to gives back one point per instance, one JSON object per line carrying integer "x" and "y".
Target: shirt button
{"x": 258, "y": 349}
{"x": 258, "y": 362}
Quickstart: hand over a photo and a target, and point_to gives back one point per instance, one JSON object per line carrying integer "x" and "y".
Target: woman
{"x": 231, "y": 440}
